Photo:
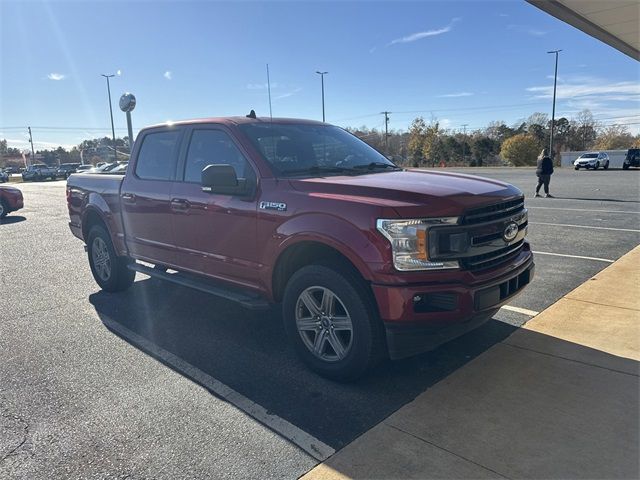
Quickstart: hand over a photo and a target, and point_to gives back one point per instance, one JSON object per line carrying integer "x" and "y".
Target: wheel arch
{"x": 308, "y": 252}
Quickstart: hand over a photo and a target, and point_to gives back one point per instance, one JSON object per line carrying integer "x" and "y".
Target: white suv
{"x": 593, "y": 160}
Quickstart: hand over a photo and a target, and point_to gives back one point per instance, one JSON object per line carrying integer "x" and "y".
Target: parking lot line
{"x": 585, "y": 226}
{"x": 531, "y": 313}
{"x": 314, "y": 447}
{"x": 574, "y": 256}
{"x": 583, "y": 210}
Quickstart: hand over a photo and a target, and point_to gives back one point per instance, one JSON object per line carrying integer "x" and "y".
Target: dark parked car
{"x": 10, "y": 200}
{"x": 4, "y": 177}
{"x": 38, "y": 172}
{"x": 632, "y": 159}
{"x": 84, "y": 168}
{"x": 67, "y": 169}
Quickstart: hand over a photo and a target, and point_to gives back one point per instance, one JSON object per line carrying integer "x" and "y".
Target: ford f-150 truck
{"x": 367, "y": 259}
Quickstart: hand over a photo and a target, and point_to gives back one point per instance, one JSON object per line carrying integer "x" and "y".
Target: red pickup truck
{"x": 367, "y": 259}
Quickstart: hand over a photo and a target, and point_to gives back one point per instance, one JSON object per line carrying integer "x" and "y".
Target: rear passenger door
{"x": 145, "y": 196}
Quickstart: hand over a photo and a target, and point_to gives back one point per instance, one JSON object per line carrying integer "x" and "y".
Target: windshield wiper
{"x": 317, "y": 170}
{"x": 373, "y": 165}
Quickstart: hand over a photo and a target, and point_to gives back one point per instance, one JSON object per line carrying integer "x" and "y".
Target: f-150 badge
{"x": 279, "y": 206}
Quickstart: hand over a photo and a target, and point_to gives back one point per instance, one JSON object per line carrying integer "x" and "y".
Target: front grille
{"x": 478, "y": 242}
{"x": 491, "y": 259}
{"x": 493, "y": 212}
{"x": 482, "y": 239}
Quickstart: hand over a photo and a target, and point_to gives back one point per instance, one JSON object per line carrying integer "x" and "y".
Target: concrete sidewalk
{"x": 559, "y": 398}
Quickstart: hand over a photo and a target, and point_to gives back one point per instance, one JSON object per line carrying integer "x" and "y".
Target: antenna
{"x": 269, "y": 88}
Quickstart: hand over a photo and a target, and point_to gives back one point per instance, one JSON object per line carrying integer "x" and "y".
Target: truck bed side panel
{"x": 89, "y": 195}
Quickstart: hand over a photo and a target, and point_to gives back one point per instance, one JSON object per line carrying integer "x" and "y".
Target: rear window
{"x": 158, "y": 156}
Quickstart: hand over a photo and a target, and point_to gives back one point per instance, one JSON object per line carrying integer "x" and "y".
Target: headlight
{"x": 409, "y": 243}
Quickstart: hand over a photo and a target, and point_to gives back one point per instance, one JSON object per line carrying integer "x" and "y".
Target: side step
{"x": 247, "y": 300}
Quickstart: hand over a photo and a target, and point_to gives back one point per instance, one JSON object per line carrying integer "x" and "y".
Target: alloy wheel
{"x": 324, "y": 324}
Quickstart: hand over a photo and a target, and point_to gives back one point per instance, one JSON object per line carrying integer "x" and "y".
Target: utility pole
{"x": 386, "y": 131}
{"x": 33, "y": 154}
{"x": 113, "y": 130}
{"x": 553, "y": 111}
{"x": 464, "y": 141}
{"x": 322, "y": 74}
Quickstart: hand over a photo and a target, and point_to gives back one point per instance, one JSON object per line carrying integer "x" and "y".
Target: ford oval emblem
{"x": 510, "y": 232}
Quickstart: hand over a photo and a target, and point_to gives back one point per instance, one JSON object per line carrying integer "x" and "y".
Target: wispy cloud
{"x": 168, "y": 75}
{"x": 503, "y": 14}
{"x": 456, "y": 95}
{"x": 527, "y": 29}
{"x": 614, "y": 101}
{"x": 425, "y": 34}
{"x": 288, "y": 94}
{"x": 56, "y": 76}
{"x": 580, "y": 87}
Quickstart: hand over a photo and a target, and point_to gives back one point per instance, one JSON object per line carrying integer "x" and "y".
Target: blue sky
{"x": 459, "y": 62}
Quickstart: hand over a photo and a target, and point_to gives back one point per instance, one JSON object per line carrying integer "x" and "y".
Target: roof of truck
{"x": 239, "y": 121}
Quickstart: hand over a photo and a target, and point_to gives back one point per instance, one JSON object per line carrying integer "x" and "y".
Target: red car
{"x": 367, "y": 259}
{"x": 10, "y": 200}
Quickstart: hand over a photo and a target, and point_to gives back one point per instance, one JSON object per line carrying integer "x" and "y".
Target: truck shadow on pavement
{"x": 12, "y": 219}
{"x": 248, "y": 351}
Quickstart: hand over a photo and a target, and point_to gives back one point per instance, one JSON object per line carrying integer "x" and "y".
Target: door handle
{"x": 180, "y": 204}
{"x": 128, "y": 197}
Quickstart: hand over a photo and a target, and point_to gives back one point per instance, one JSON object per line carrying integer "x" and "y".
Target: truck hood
{"x": 412, "y": 193}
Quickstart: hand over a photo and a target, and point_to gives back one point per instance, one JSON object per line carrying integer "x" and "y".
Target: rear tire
{"x": 109, "y": 270}
{"x": 606, "y": 165}
{"x": 342, "y": 313}
{"x": 625, "y": 166}
{"x": 4, "y": 209}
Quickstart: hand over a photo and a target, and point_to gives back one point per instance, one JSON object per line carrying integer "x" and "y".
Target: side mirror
{"x": 222, "y": 179}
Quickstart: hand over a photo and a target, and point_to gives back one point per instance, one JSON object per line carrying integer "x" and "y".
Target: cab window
{"x": 213, "y": 147}
{"x": 158, "y": 155}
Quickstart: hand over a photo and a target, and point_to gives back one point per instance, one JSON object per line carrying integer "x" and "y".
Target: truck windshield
{"x": 314, "y": 150}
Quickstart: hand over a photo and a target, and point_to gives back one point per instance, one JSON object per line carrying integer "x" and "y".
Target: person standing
{"x": 544, "y": 170}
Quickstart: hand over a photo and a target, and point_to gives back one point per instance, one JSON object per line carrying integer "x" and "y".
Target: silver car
{"x": 593, "y": 160}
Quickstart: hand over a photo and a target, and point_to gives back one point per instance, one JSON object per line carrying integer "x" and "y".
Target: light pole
{"x": 113, "y": 130}
{"x": 553, "y": 111}
{"x": 322, "y": 74}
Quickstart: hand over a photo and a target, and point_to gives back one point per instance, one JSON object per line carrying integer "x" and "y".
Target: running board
{"x": 247, "y": 300}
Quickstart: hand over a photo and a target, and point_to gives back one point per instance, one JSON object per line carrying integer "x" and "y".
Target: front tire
{"x": 577, "y": 168}
{"x": 597, "y": 166}
{"x": 332, "y": 322}
{"x": 606, "y": 165}
{"x": 109, "y": 270}
{"x": 4, "y": 209}
{"x": 625, "y": 166}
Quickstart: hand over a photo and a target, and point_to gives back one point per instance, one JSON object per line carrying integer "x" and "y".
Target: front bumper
{"x": 421, "y": 317}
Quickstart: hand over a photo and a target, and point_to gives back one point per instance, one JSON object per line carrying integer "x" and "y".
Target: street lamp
{"x": 113, "y": 130}
{"x": 322, "y": 74}
{"x": 553, "y": 112}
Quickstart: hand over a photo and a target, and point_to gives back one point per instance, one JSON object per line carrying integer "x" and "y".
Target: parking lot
{"x": 165, "y": 382}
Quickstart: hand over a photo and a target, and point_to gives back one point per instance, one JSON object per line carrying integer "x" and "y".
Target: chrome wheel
{"x": 324, "y": 324}
{"x": 101, "y": 258}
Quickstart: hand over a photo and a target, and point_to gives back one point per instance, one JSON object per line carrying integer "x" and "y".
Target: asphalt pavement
{"x": 165, "y": 382}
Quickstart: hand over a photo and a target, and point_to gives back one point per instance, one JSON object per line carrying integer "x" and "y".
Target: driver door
{"x": 215, "y": 234}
